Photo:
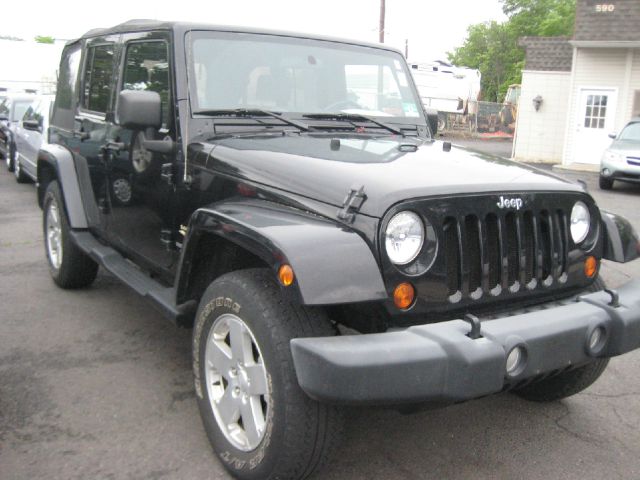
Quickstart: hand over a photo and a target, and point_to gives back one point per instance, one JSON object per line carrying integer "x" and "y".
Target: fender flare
{"x": 621, "y": 241}
{"x": 332, "y": 263}
{"x": 61, "y": 161}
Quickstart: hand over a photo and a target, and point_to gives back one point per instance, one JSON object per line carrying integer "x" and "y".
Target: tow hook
{"x": 474, "y": 321}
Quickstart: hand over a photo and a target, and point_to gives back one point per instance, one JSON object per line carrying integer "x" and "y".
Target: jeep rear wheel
{"x": 570, "y": 382}
{"x": 70, "y": 267}
{"x": 258, "y": 420}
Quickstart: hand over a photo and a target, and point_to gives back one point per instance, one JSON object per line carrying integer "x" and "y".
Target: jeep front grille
{"x": 504, "y": 252}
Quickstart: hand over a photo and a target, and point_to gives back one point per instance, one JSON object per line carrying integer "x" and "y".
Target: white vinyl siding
{"x": 540, "y": 135}
{"x": 600, "y": 68}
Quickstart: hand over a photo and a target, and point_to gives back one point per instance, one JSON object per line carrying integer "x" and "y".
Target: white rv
{"x": 445, "y": 87}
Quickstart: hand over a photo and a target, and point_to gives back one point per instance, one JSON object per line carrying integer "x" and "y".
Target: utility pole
{"x": 382, "y": 14}
{"x": 406, "y": 48}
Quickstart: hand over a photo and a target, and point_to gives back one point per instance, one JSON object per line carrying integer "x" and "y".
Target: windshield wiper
{"x": 252, "y": 112}
{"x": 355, "y": 117}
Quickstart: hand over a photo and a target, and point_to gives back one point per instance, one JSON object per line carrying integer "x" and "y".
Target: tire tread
{"x": 77, "y": 270}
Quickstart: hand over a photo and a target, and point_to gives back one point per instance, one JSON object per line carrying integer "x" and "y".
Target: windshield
{"x": 283, "y": 74}
{"x": 631, "y": 132}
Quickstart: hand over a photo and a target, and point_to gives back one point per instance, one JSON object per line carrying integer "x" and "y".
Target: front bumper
{"x": 620, "y": 170}
{"x": 440, "y": 363}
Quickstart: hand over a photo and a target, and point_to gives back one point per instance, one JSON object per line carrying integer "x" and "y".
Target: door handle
{"x": 113, "y": 147}
{"x": 81, "y": 135}
{"x": 79, "y": 132}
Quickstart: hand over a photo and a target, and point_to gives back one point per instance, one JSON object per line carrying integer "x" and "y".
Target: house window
{"x": 596, "y": 111}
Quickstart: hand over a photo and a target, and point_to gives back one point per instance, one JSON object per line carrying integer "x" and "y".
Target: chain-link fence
{"x": 473, "y": 117}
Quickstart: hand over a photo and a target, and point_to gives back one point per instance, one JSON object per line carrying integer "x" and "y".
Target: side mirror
{"x": 432, "y": 118}
{"x": 139, "y": 109}
{"x": 33, "y": 125}
{"x": 612, "y": 136}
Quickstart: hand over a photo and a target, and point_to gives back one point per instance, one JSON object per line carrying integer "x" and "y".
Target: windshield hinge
{"x": 352, "y": 203}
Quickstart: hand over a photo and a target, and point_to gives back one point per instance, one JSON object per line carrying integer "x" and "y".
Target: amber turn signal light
{"x": 285, "y": 275}
{"x": 590, "y": 267}
{"x": 404, "y": 295}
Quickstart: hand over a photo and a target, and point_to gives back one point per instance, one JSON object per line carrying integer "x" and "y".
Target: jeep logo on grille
{"x": 516, "y": 203}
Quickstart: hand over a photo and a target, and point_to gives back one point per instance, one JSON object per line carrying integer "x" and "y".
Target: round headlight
{"x": 580, "y": 222}
{"x": 404, "y": 237}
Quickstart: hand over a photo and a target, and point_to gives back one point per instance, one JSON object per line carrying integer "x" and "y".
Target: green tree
{"x": 43, "y": 39}
{"x": 493, "y": 49}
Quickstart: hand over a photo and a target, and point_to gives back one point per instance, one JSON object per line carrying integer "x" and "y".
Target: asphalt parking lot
{"x": 94, "y": 384}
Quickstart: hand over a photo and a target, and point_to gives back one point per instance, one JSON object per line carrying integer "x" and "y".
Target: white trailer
{"x": 445, "y": 87}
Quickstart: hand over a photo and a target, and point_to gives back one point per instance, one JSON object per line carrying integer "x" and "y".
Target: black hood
{"x": 391, "y": 169}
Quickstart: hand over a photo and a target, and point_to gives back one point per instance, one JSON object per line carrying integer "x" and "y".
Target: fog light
{"x": 403, "y": 296}
{"x": 516, "y": 360}
{"x": 596, "y": 340}
{"x": 590, "y": 267}
{"x": 606, "y": 172}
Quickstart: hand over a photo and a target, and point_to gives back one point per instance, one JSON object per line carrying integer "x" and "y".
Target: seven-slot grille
{"x": 505, "y": 252}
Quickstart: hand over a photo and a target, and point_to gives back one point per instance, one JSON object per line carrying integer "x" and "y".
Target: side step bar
{"x": 159, "y": 295}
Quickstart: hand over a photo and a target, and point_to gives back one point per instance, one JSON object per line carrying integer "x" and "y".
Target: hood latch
{"x": 352, "y": 203}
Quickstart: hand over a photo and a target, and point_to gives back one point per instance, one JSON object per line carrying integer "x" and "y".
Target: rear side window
{"x": 146, "y": 67}
{"x": 68, "y": 78}
{"x": 97, "y": 78}
{"x": 36, "y": 111}
{"x": 66, "y": 96}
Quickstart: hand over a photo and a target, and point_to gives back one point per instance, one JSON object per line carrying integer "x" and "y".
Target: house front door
{"x": 594, "y": 122}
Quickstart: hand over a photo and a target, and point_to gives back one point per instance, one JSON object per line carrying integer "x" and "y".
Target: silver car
{"x": 30, "y": 134}
{"x": 621, "y": 161}
{"x": 12, "y": 110}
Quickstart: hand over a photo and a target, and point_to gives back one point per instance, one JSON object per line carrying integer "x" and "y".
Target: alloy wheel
{"x": 237, "y": 382}
{"x": 54, "y": 235}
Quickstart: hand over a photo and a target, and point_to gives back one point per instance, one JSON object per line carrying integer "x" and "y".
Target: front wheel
{"x": 9, "y": 156}
{"x": 570, "y": 382}
{"x": 258, "y": 420}
{"x": 605, "y": 183}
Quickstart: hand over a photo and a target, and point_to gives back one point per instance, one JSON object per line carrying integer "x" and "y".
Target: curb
{"x": 577, "y": 167}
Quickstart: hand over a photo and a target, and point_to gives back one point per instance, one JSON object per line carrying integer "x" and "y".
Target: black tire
{"x": 606, "y": 183}
{"x": 19, "y": 174}
{"x": 570, "y": 382}
{"x": 74, "y": 269}
{"x": 299, "y": 433}
{"x": 10, "y": 157}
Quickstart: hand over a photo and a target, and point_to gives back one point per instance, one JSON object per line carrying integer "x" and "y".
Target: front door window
{"x": 595, "y": 111}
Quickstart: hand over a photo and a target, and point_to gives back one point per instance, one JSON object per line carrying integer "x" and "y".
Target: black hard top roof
{"x": 141, "y": 25}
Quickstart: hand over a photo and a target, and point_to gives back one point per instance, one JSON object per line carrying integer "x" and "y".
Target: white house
{"x": 586, "y": 87}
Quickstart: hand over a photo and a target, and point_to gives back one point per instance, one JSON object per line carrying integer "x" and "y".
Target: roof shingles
{"x": 547, "y": 53}
{"x": 607, "y": 20}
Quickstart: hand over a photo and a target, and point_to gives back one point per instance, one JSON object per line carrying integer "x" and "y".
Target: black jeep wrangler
{"x": 284, "y": 195}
